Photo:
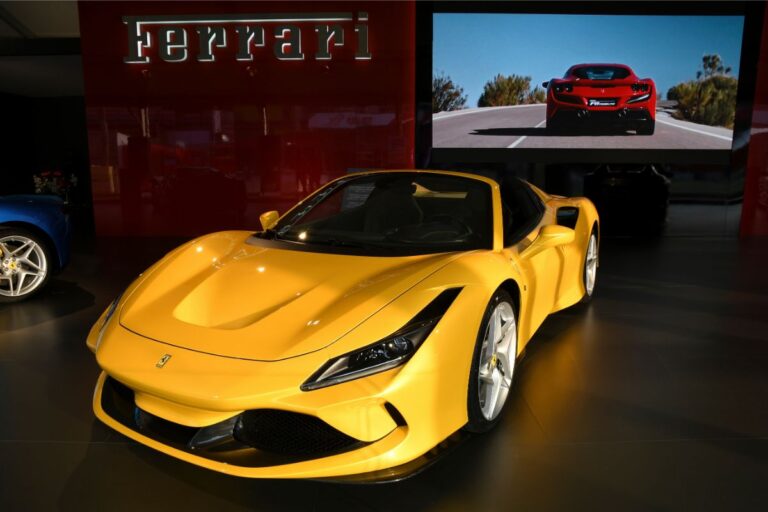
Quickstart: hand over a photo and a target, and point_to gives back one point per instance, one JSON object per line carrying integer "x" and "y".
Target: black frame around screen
{"x": 427, "y": 156}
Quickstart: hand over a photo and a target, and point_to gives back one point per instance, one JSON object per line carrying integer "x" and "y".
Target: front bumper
{"x": 395, "y": 419}
{"x": 112, "y": 405}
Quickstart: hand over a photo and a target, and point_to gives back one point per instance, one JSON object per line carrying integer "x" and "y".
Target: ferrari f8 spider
{"x": 351, "y": 335}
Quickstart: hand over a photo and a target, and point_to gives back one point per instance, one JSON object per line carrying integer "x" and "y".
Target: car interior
{"x": 414, "y": 209}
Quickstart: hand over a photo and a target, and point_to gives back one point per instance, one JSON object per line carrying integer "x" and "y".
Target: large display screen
{"x": 585, "y": 81}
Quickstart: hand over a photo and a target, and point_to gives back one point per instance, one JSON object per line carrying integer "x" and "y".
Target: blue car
{"x": 34, "y": 243}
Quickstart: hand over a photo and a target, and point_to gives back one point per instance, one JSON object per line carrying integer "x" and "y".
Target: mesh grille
{"x": 290, "y": 433}
{"x": 262, "y": 437}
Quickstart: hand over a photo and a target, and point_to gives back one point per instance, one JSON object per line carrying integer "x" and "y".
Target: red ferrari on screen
{"x": 608, "y": 95}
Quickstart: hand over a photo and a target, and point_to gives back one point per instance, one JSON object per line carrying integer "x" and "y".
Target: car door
{"x": 525, "y": 214}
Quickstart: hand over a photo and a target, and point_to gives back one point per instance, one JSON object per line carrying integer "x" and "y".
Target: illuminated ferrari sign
{"x": 181, "y": 37}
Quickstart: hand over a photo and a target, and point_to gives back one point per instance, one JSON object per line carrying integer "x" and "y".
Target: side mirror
{"x": 545, "y": 84}
{"x": 549, "y": 236}
{"x": 269, "y": 219}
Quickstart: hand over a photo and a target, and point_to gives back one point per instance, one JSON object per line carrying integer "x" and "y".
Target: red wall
{"x": 754, "y": 215}
{"x": 188, "y": 147}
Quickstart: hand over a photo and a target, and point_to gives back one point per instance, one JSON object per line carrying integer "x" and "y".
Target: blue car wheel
{"x": 24, "y": 264}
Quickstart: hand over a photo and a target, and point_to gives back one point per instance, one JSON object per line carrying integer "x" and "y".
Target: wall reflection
{"x": 189, "y": 147}
{"x": 754, "y": 221}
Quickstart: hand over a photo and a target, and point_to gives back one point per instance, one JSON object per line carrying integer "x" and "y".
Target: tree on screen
{"x": 711, "y": 98}
{"x": 537, "y": 95}
{"x": 510, "y": 90}
{"x": 712, "y": 65}
{"x": 446, "y": 95}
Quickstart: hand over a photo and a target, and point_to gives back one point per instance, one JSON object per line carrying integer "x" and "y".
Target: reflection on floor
{"x": 653, "y": 398}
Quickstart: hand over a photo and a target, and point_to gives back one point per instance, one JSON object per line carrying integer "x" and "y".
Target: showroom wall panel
{"x": 203, "y": 115}
{"x": 754, "y": 218}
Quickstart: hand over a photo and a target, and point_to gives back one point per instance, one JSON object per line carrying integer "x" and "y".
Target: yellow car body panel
{"x": 197, "y": 341}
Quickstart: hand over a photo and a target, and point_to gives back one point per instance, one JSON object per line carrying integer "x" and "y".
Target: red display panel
{"x": 754, "y": 214}
{"x": 203, "y": 115}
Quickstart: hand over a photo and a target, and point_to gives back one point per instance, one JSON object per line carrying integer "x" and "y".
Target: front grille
{"x": 259, "y": 438}
{"x": 290, "y": 433}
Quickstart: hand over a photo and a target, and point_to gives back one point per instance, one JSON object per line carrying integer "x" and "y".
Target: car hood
{"x": 225, "y": 296}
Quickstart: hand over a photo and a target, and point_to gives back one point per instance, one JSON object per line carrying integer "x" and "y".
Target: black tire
{"x": 477, "y": 422}
{"x": 45, "y": 251}
{"x": 647, "y": 128}
{"x": 555, "y": 126}
{"x": 587, "y": 294}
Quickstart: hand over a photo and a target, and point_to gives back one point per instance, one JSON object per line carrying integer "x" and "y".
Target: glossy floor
{"x": 655, "y": 397}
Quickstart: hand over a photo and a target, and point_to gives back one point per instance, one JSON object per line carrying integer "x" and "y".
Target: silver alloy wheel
{"x": 497, "y": 360}
{"x": 591, "y": 265}
{"x": 23, "y": 265}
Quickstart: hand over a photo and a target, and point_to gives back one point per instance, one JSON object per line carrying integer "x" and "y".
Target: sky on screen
{"x": 473, "y": 48}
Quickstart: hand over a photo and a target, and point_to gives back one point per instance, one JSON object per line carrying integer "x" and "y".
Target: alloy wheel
{"x": 23, "y": 265}
{"x": 497, "y": 360}
{"x": 591, "y": 265}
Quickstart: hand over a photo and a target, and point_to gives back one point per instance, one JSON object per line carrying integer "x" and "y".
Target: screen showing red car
{"x": 585, "y": 81}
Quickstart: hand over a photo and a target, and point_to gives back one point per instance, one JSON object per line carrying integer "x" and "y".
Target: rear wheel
{"x": 647, "y": 128}
{"x": 493, "y": 364}
{"x": 24, "y": 267}
{"x": 591, "y": 262}
{"x": 554, "y": 125}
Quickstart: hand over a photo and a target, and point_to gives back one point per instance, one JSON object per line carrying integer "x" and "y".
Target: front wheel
{"x": 23, "y": 265}
{"x": 493, "y": 364}
{"x": 591, "y": 262}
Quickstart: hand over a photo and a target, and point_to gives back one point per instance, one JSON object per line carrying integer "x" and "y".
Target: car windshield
{"x": 393, "y": 213}
{"x": 600, "y": 72}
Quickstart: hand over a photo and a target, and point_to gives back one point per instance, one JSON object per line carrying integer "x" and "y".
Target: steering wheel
{"x": 464, "y": 228}
{"x": 458, "y": 229}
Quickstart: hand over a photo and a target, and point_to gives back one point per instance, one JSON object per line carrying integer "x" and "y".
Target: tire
{"x": 590, "y": 281}
{"x": 498, "y": 380}
{"x": 25, "y": 264}
{"x": 647, "y": 128}
{"x": 554, "y": 126}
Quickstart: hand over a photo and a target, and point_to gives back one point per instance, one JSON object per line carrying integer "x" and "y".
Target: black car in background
{"x": 631, "y": 198}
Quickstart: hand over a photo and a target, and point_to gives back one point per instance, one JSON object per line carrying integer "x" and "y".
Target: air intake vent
{"x": 567, "y": 216}
{"x": 290, "y": 433}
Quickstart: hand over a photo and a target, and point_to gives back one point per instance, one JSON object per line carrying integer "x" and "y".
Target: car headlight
{"x": 563, "y": 87}
{"x": 107, "y": 317}
{"x": 385, "y": 354}
{"x": 636, "y": 99}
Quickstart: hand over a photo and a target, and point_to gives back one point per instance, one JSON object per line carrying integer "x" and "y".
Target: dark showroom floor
{"x": 655, "y": 397}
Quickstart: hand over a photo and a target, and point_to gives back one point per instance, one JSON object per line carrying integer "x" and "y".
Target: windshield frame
{"x": 271, "y": 238}
{"x": 615, "y": 69}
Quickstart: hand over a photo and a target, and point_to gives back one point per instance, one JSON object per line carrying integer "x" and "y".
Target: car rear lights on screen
{"x": 638, "y": 99}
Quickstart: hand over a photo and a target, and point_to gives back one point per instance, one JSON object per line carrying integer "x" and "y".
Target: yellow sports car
{"x": 350, "y": 338}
